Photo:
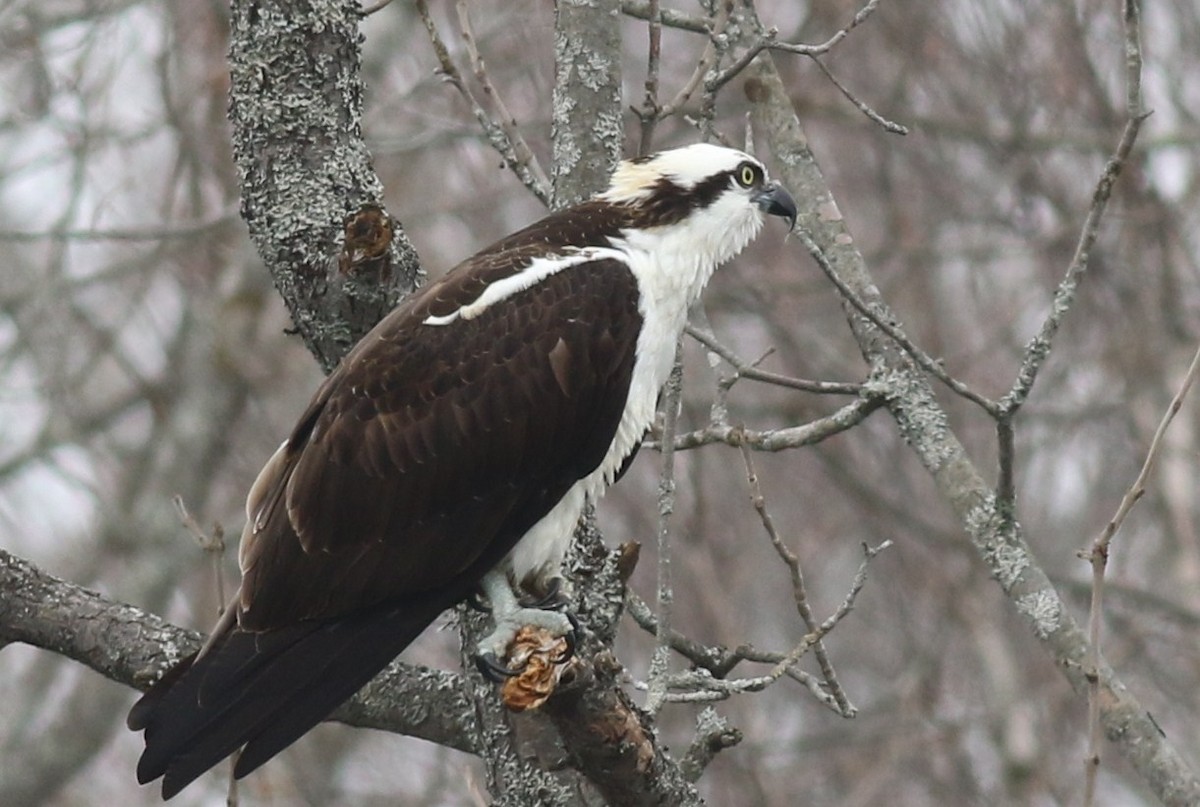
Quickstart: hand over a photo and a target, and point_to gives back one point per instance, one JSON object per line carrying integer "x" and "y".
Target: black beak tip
{"x": 774, "y": 200}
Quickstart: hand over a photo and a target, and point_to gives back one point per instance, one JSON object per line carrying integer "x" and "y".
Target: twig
{"x": 671, "y": 18}
{"x": 526, "y": 162}
{"x": 887, "y": 125}
{"x": 666, "y": 506}
{"x": 827, "y": 45}
{"x": 805, "y": 434}
{"x": 1006, "y": 494}
{"x": 1138, "y": 489}
{"x": 702, "y": 686}
{"x": 720, "y": 43}
{"x": 516, "y": 154}
{"x": 1097, "y": 556}
{"x": 751, "y": 372}
{"x": 799, "y": 591}
{"x": 768, "y": 40}
{"x": 718, "y": 410}
{"x": 378, "y": 6}
{"x": 699, "y": 25}
{"x": 719, "y": 80}
{"x": 708, "y": 59}
{"x": 213, "y": 544}
{"x": 932, "y": 366}
{"x": 1038, "y": 348}
{"x": 649, "y": 112}
{"x": 713, "y": 735}
{"x": 718, "y": 660}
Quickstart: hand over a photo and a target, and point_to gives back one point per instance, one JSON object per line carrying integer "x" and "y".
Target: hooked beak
{"x": 775, "y": 201}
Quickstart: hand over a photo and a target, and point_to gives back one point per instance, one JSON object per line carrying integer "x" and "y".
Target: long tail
{"x": 263, "y": 690}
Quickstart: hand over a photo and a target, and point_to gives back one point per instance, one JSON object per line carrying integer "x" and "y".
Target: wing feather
{"x": 433, "y": 448}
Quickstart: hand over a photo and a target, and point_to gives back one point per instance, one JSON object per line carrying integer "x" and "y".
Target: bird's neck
{"x": 674, "y": 263}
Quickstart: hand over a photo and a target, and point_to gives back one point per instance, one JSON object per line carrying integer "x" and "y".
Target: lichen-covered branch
{"x": 586, "y": 126}
{"x": 295, "y": 105}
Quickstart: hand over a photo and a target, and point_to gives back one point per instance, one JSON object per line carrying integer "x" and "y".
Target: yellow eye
{"x": 747, "y": 175}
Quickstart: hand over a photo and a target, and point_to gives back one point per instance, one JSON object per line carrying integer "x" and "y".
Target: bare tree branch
{"x": 295, "y": 104}
{"x": 859, "y": 104}
{"x": 923, "y": 424}
{"x": 141, "y": 354}
{"x": 799, "y": 590}
{"x": 518, "y": 158}
{"x": 713, "y": 735}
{"x": 586, "y": 129}
{"x": 744, "y": 370}
{"x": 523, "y": 161}
{"x": 1098, "y": 555}
{"x": 130, "y": 646}
{"x": 805, "y": 434}
{"x": 641, "y": 9}
{"x": 664, "y": 590}
{"x": 701, "y": 686}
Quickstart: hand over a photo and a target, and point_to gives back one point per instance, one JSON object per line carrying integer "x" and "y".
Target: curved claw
{"x": 571, "y": 638}
{"x": 492, "y": 669}
{"x": 553, "y": 599}
{"x": 475, "y": 603}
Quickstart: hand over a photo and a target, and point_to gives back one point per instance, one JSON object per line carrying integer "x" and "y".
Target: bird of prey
{"x": 453, "y": 451}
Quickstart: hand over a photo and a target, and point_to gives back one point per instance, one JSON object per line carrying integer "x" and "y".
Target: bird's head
{"x": 710, "y": 197}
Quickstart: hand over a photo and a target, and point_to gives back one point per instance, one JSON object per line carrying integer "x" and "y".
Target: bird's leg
{"x": 510, "y": 616}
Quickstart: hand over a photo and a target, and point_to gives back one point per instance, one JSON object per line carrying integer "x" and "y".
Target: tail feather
{"x": 264, "y": 690}
{"x": 139, "y": 716}
{"x": 344, "y": 674}
{"x": 223, "y": 700}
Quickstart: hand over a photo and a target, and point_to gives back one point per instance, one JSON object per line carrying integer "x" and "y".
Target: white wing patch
{"x": 538, "y": 269}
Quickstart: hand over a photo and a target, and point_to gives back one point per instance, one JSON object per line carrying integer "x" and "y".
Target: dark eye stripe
{"x": 670, "y": 203}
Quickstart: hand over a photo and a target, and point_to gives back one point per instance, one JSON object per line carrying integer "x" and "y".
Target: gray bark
{"x": 586, "y": 126}
{"x": 295, "y": 105}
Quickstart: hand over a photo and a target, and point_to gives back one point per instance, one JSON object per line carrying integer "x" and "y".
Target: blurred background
{"x": 144, "y": 354}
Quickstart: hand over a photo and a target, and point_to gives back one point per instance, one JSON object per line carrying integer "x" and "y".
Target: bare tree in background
{"x": 1032, "y": 225}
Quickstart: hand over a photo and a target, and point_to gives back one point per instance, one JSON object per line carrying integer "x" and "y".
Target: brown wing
{"x": 429, "y": 452}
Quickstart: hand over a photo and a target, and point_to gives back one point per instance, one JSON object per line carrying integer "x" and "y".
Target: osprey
{"x": 453, "y": 450}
